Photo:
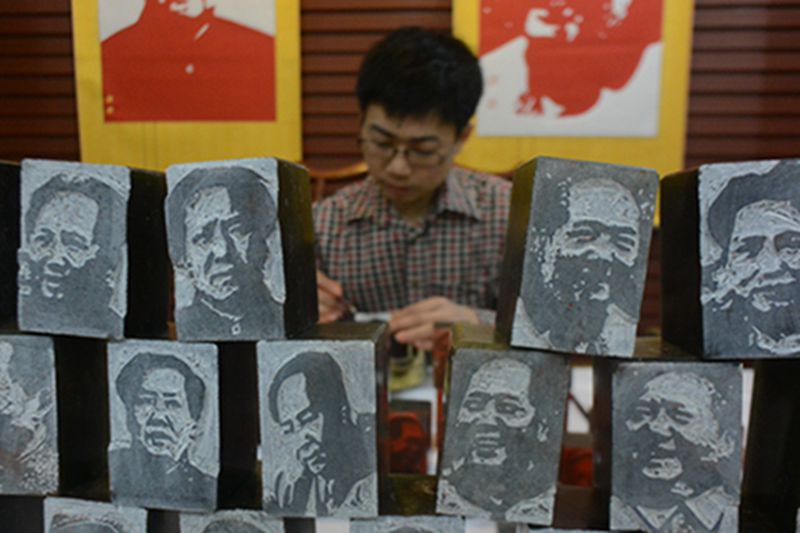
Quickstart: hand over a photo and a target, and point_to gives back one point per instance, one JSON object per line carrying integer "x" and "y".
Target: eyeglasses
{"x": 385, "y": 151}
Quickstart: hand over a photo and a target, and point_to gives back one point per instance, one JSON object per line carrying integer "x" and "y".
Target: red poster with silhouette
{"x": 182, "y": 60}
{"x": 570, "y": 67}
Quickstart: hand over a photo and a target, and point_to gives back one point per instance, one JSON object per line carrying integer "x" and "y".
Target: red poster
{"x": 180, "y": 60}
{"x": 550, "y": 60}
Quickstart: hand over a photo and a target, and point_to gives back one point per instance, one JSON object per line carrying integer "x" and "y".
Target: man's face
{"x": 62, "y": 240}
{"x": 217, "y": 243}
{"x": 301, "y": 424}
{"x": 410, "y": 178}
{"x": 764, "y": 255}
{"x": 676, "y": 410}
{"x": 165, "y": 425}
{"x": 186, "y": 8}
{"x": 602, "y": 233}
{"x": 495, "y": 406}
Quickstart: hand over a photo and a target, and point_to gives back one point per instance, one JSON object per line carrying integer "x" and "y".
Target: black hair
{"x": 324, "y": 385}
{"x": 414, "y": 72}
{"x": 248, "y": 194}
{"x": 133, "y": 373}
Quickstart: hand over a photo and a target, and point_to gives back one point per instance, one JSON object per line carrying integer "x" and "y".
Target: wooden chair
{"x": 326, "y": 182}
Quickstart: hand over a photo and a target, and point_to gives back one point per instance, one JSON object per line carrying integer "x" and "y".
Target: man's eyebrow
{"x": 72, "y": 233}
{"x": 387, "y": 133}
{"x": 604, "y": 225}
{"x": 506, "y": 397}
{"x": 623, "y": 229}
{"x": 307, "y": 410}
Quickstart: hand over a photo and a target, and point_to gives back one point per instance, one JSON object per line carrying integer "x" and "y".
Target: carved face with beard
{"x": 494, "y": 416}
{"x": 587, "y": 256}
{"x": 759, "y": 279}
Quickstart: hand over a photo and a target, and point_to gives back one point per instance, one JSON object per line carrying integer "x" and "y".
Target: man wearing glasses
{"x": 419, "y": 237}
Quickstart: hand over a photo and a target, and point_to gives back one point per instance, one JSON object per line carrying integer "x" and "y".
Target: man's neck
{"x": 415, "y": 213}
{"x": 413, "y": 216}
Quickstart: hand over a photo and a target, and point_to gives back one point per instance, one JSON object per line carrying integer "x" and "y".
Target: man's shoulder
{"x": 477, "y": 178}
{"x": 489, "y": 186}
{"x": 348, "y": 192}
{"x": 342, "y": 201}
{"x": 490, "y": 194}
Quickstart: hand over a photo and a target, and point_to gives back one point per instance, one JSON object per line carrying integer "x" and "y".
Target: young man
{"x": 418, "y": 238}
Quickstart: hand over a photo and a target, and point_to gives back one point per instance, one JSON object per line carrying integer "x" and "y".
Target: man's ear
{"x": 462, "y": 137}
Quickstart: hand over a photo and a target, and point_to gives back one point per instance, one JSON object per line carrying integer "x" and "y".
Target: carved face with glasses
{"x": 409, "y": 158}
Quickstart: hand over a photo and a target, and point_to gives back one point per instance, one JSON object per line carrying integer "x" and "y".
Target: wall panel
{"x": 37, "y": 90}
{"x": 745, "y": 88}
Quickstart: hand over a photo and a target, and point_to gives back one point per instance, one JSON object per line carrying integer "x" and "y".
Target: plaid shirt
{"x": 385, "y": 263}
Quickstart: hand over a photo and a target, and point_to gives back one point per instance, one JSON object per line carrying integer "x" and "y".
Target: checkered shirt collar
{"x": 451, "y": 198}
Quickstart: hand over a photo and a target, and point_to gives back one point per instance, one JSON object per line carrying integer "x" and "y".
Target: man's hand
{"x": 416, "y": 323}
{"x": 330, "y": 297}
